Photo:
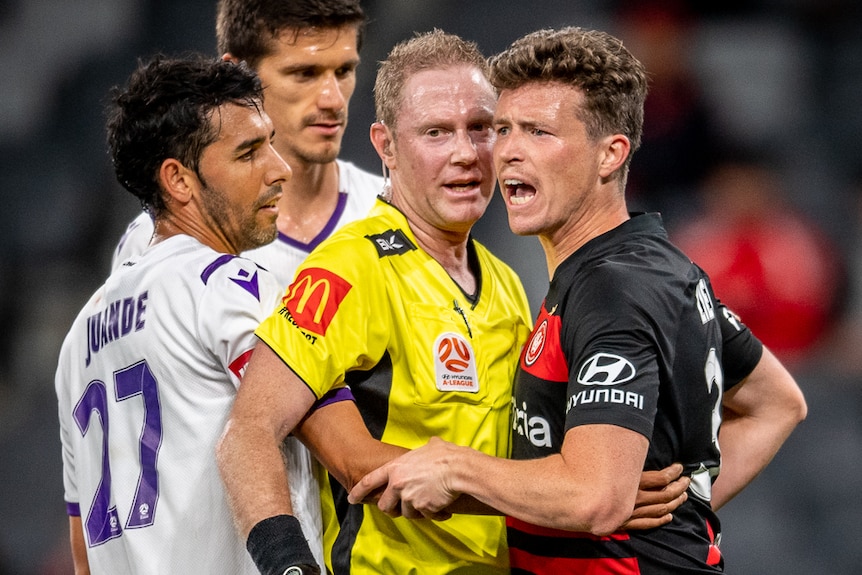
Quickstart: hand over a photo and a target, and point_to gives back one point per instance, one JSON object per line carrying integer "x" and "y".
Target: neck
{"x": 168, "y": 225}
{"x": 449, "y": 249}
{"x": 309, "y": 200}
{"x": 568, "y": 239}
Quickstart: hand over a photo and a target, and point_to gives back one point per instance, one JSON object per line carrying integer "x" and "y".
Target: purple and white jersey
{"x": 357, "y": 191}
{"x": 145, "y": 381}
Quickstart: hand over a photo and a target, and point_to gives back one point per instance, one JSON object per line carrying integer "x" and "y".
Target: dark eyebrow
{"x": 252, "y": 143}
{"x": 299, "y": 66}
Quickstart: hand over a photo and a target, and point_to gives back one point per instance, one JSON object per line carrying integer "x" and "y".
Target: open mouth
{"x": 518, "y": 192}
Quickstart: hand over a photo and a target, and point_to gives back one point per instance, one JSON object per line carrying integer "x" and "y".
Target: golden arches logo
{"x": 313, "y": 298}
{"x": 309, "y": 289}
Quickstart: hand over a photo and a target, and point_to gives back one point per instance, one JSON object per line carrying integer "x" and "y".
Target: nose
{"x": 278, "y": 171}
{"x": 506, "y": 149}
{"x": 331, "y": 96}
{"x": 466, "y": 151}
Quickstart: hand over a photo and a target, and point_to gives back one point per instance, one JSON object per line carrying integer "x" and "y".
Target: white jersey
{"x": 145, "y": 381}
{"x": 357, "y": 192}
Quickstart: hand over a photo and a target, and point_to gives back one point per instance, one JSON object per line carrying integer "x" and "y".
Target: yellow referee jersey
{"x": 372, "y": 310}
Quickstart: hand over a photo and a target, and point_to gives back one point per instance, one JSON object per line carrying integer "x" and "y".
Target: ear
{"x": 381, "y": 139}
{"x": 228, "y": 57}
{"x": 178, "y": 182}
{"x": 614, "y": 151}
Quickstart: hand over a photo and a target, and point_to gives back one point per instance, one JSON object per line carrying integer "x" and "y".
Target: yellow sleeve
{"x": 333, "y": 318}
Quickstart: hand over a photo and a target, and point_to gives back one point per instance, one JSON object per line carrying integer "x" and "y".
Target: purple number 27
{"x": 102, "y": 522}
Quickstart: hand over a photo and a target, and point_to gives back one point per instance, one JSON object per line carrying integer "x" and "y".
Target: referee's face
{"x": 440, "y": 162}
{"x": 241, "y": 176}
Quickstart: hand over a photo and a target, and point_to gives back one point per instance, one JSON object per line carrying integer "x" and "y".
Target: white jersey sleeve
{"x": 145, "y": 381}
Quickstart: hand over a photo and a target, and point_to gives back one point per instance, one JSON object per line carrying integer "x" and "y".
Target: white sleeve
{"x": 236, "y": 300}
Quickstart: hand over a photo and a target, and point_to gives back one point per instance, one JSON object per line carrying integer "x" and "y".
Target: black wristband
{"x": 277, "y": 543}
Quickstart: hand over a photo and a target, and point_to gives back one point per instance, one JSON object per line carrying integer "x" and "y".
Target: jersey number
{"x": 701, "y": 478}
{"x": 136, "y": 380}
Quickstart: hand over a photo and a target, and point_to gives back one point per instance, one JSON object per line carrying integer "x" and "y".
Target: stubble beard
{"x": 251, "y": 234}
{"x": 256, "y": 236}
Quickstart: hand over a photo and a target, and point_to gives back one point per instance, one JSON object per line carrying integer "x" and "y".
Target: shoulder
{"x": 610, "y": 287}
{"x": 183, "y": 263}
{"x": 363, "y": 249}
{"x": 134, "y": 240}
{"x": 382, "y": 221}
{"x": 237, "y": 275}
{"x": 354, "y": 245}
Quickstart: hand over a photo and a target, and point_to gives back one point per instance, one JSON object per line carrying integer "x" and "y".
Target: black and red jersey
{"x": 630, "y": 334}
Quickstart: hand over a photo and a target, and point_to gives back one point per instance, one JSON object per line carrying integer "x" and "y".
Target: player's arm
{"x": 269, "y": 404}
{"x": 336, "y": 435}
{"x": 590, "y": 486}
{"x": 79, "y": 546}
{"x": 759, "y": 413}
{"x": 660, "y": 493}
{"x": 338, "y": 438}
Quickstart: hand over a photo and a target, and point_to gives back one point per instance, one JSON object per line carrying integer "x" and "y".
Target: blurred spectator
{"x": 679, "y": 131}
{"x": 842, "y": 350}
{"x": 771, "y": 264}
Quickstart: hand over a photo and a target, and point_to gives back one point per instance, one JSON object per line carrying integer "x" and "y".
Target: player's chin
{"x": 264, "y": 233}
{"x": 269, "y": 233}
{"x": 522, "y": 225}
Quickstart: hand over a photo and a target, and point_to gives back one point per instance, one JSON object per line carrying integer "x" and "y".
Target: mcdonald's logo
{"x": 313, "y": 298}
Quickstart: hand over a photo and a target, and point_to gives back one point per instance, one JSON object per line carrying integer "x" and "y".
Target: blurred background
{"x": 751, "y": 152}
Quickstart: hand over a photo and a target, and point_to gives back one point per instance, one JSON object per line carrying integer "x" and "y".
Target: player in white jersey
{"x": 148, "y": 373}
{"x": 306, "y": 53}
{"x": 150, "y": 367}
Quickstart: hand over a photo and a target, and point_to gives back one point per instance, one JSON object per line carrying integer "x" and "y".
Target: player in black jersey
{"x": 633, "y": 362}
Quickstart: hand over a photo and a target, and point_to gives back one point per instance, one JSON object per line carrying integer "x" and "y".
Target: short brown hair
{"x": 612, "y": 80}
{"x": 425, "y": 51}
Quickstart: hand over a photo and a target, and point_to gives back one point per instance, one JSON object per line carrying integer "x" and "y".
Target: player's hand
{"x": 660, "y": 493}
{"x": 414, "y": 485}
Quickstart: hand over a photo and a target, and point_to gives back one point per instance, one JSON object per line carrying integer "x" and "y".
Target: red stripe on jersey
{"x": 523, "y": 526}
{"x": 713, "y": 557}
{"x": 568, "y": 566}
{"x": 238, "y": 365}
{"x": 542, "y": 355}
